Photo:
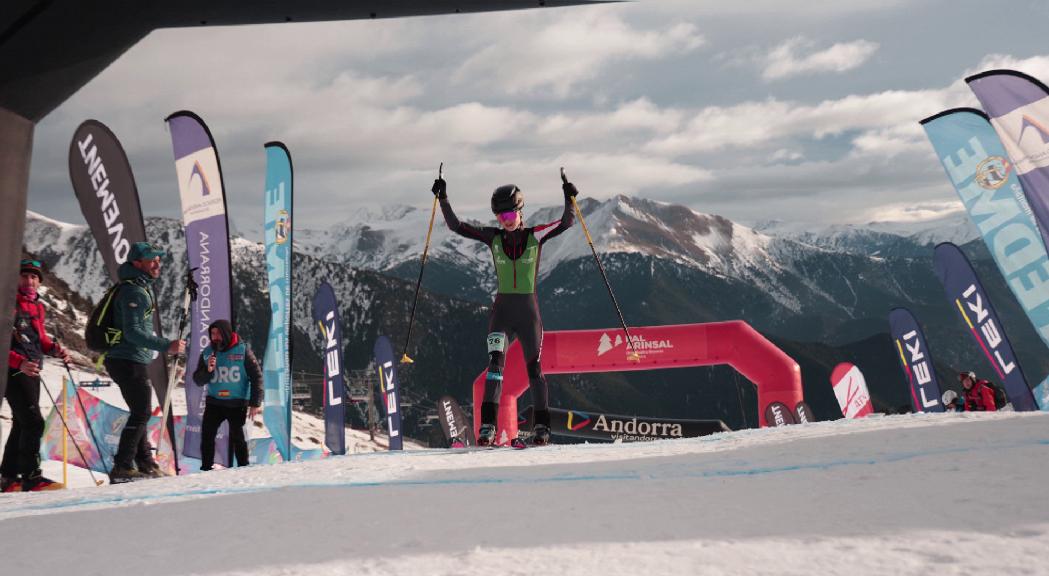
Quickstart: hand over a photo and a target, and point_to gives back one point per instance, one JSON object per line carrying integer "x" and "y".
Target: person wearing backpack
{"x": 20, "y": 468}
{"x": 234, "y": 379}
{"x": 127, "y": 361}
{"x": 979, "y": 395}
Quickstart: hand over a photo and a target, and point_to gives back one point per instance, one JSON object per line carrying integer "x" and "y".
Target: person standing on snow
{"x": 979, "y": 396}
{"x": 20, "y": 468}
{"x": 128, "y": 360}
{"x": 234, "y": 379}
{"x": 515, "y": 311}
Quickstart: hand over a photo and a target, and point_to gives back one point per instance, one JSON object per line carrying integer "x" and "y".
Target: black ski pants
{"x": 133, "y": 380}
{"x": 214, "y": 416}
{"x": 517, "y": 316}
{"x": 22, "y": 451}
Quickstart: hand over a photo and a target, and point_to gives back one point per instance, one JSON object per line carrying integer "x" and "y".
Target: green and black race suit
{"x": 515, "y": 310}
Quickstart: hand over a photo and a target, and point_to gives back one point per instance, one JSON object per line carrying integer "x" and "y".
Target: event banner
{"x": 384, "y": 363}
{"x": 614, "y": 427}
{"x": 915, "y": 360}
{"x": 454, "y": 423}
{"x": 850, "y": 388}
{"x": 968, "y": 296}
{"x": 1019, "y": 109}
{"x": 326, "y": 314}
{"x": 105, "y": 188}
{"x": 276, "y": 366}
{"x": 980, "y": 170}
{"x": 98, "y": 442}
{"x": 207, "y": 247}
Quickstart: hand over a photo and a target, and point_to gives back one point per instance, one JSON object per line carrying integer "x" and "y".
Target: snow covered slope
{"x": 917, "y": 494}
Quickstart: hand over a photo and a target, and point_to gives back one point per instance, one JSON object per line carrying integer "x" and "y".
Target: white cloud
{"x": 796, "y": 57}
{"x": 556, "y": 56}
{"x": 914, "y": 212}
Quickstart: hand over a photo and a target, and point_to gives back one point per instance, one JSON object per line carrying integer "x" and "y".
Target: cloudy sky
{"x": 802, "y": 111}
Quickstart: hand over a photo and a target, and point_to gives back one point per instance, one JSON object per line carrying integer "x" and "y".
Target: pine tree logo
{"x": 604, "y": 345}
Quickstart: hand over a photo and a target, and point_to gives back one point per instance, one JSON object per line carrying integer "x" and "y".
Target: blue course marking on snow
{"x": 673, "y": 474}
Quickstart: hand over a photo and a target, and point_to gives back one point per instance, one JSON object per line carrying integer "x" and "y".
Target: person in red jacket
{"x": 979, "y": 397}
{"x": 20, "y": 467}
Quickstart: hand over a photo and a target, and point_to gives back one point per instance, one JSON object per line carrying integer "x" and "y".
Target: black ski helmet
{"x": 507, "y": 198}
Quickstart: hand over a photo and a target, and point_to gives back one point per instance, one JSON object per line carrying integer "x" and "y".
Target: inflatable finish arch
{"x": 776, "y": 376}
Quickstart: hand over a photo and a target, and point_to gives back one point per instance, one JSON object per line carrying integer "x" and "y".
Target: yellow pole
{"x": 633, "y": 356}
{"x": 65, "y": 437}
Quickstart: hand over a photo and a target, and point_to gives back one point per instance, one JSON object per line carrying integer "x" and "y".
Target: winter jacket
{"x": 29, "y": 340}
{"x": 237, "y": 379}
{"x": 979, "y": 397}
{"x": 134, "y": 306}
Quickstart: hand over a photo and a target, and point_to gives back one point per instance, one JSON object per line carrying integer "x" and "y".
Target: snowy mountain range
{"x": 666, "y": 263}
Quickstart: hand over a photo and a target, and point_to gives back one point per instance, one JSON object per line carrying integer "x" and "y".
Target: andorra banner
{"x": 207, "y": 246}
{"x": 967, "y": 295}
{"x": 850, "y": 388}
{"x": 915, "y": 360}
{"x": 613, "y": 427}
{"x": 105, "y": 189}
{"x": 276, "y": 366}
{"x": 980, "y": 170}
{"x": 326, "y": 314}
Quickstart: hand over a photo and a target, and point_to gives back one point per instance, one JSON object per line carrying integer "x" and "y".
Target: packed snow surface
{"x": 914, "y": 494}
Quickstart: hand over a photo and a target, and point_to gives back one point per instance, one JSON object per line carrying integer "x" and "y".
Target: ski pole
{"x": 405, "y": 359}
{"x": 83, "y": 409}
{"x": 633, "y": 356}
{"x": 190, "y": 297}
{"x": 69, "y": 432}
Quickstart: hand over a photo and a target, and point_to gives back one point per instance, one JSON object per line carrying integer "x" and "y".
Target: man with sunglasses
{"x": 20, "y": 468}
{"x": 515, "y": 311}
{"x": 128, "y": 360}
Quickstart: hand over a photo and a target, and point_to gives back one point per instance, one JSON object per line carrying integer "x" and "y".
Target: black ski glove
{"x": 440, "y": 189}
{"x": 569, "y": 189}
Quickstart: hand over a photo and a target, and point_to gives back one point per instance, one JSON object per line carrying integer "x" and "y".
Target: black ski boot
{"x": 486, "y": 435}
{"x": 37, "y": 482}
{"x": 541, "y": 435}
{"x": 12, "y": 484}
{"x": 150, "y": 469}
{"x": 121, "y": 475}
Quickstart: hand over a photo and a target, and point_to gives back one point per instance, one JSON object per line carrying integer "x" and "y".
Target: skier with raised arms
{"x": 515, "y": 311}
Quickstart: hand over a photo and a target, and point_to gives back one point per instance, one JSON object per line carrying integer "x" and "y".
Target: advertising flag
{"x": 850, "y": 388}
{"x": 207, "y": 246}
{"x": 1019, "y": 109}
{"x": 388, "y": 384}
{"x": 276, "y": 366}
{"x": 979, "y": 167}
{"x": 105, "y": 189}
{"x": 326, "y": 314}
{"x": 968, "y": 296}
{"x": 915, "y": 360}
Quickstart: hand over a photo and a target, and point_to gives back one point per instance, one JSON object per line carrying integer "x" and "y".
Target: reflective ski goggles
{"x": 30, "y": 263}
{"x": 508, "y": 217}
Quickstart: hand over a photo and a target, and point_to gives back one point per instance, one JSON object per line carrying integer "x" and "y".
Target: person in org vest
{"x": 234, "y": 379}
{"x": 979, "y": 397}
{"x": 516, "y": 250}
{"x": 20, "y": 469}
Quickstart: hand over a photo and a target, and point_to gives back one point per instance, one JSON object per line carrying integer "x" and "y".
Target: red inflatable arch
{"x": 776, "y": 376}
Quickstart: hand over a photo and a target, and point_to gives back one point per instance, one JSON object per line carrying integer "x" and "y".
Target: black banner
{"x": 803, "y": 414}
{"x": 453, "y": 422}
{"x": 777, "y": 414}
{"x": 613, "y": 427}
{"x": 105, "y": 188}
